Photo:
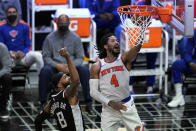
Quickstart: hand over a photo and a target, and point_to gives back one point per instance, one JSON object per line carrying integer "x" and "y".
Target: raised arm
{"x": 75, "y": 80}
{"x": 130, "y": 55}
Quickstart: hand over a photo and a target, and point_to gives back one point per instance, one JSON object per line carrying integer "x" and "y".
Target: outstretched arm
{"x": 75, "y": 80}
{"x": 130, "y": 55}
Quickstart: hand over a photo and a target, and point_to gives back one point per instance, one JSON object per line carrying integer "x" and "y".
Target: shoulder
{"x": 52, "y": 35}
{"x": 73, "y": 34}
{"x": 23, "y": 23}
{"x": 96, "y": 66}
{"x": 2, "y": 23}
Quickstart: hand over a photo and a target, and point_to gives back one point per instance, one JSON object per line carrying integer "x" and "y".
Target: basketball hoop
{"x": 136, "y": 18}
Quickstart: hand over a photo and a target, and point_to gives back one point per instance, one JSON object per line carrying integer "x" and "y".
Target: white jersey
{"x": 114, "y": 79}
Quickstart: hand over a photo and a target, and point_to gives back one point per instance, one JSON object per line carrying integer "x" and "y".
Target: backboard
{"x": 182, "y": 15}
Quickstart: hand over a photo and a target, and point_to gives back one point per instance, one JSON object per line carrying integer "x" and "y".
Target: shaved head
{"x": 63, "y": 19}
{"x": 63, "y": 23}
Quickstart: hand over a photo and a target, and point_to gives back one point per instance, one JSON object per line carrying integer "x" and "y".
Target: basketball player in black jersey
{"x": 63, "y": 106}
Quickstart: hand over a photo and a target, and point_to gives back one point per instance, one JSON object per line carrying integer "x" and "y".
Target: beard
{"x": 65, "y": 85}
{"x": 115, "y": 50}
{"x": 115, "y": 53}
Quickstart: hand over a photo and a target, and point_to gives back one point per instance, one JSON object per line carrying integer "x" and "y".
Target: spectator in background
{"x": 53, "y": 63}
{"x": 16, "y": 35}
{"x": 5, "y": 80}
{"x": 186, "y": 65}
{"x": 4, "y": 4}
{"x": 105, "y": 15}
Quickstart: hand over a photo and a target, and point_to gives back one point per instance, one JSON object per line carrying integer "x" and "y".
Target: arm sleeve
{"x": 47, "y": 53}
{"x": 27, "y": 39}
{"x": 116, "y": 4}
{"x": 95, "y": 93}
{"x": 189, "y": 46}
{"x": 79, "y": 53}
{"x": 5, "y": 60}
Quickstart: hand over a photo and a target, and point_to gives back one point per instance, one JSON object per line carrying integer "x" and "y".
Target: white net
{"x": 135, "y": 24}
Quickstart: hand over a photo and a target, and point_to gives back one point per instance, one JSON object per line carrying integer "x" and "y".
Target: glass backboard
{"x": 182, "y": 15}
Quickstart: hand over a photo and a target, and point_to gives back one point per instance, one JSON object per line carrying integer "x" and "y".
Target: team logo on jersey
{"x": 13, "y": 33}
{"x": 112, "y": 69}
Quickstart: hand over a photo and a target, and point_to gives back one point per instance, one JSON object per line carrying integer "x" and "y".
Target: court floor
{"x": 155, "y": 114}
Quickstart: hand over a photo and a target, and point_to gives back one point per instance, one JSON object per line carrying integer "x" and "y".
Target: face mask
{"x": 11, "y": 18}
{"x": 63, "y": 28}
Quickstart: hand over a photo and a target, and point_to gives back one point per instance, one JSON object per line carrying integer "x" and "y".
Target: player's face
{"x": 113, "y": 45}
{"x": 65, "y": 80}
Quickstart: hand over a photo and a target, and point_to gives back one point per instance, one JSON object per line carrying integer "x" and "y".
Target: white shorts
{"x": 111, "y": 119}
{"x": 77, "y": 117}
{"x": 32, "y": 57}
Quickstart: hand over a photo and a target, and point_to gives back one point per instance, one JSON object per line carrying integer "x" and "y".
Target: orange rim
{"x": 151, "y": 10}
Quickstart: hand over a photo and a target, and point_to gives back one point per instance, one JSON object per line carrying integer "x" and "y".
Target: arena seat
{"x": 189, "y": 83}
{"x": 20, "y": 76}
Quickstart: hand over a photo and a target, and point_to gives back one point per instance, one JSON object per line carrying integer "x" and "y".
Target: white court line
{"x": 46, "y": 121}
{"x": 21, "y": 119}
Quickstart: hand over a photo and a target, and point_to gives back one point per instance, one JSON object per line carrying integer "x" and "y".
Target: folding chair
{"x": 20, "y": 76}
{"x": 189, "y": 83}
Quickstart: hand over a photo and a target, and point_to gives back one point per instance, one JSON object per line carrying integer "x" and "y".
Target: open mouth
{"x": 117, "y": 47}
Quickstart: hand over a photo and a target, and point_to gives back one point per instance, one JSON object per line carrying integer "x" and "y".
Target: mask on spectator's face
{"x": 63, "y": 28}
{"x": 12, "y": 18}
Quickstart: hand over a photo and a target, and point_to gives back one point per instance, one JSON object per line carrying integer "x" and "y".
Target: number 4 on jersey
{"x": 114, "y": 81}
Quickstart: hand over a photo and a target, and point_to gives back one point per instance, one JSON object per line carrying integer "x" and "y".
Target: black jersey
{"x": 62, "y": 111}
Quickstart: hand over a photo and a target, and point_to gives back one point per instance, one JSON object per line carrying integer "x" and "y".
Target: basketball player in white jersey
{"x": 64, "y": 106}
{"x": 109, "y": 84}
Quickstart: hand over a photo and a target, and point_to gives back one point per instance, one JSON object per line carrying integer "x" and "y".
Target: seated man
{"x": 53, "y": 63}
{"x": 105, "y": 15}
{"x": 5, "y": 80}
{"x": 16, "y": 35}
{"x": 186, "y": 65}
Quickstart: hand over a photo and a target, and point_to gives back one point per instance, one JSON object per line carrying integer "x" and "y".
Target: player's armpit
{"x": 94, "y": 71}
{"x": 73, "y": 101}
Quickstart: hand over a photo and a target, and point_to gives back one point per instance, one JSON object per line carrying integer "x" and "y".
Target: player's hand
{"x": 63, "y": 52}
{"x": 117, "y": 106}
